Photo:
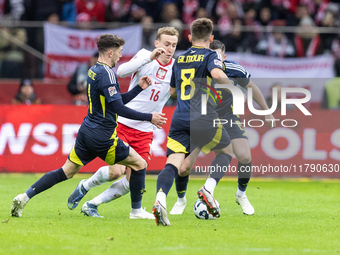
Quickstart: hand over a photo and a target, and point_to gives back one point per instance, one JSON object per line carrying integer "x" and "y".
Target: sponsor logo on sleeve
{"x": 218, "y": 62}
{"x": 112, "y": 91}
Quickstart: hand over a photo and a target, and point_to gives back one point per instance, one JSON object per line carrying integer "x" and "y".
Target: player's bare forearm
{"x": 259, "y": 99}
{"x": 257, "y": 95}
{"x": 173, "y": 93}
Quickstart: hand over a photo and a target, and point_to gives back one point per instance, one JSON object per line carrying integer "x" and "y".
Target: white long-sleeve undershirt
{"x": 139, "y": 60}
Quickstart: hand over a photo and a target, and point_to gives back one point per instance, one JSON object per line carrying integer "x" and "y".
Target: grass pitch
{"x": 291, "y": 217}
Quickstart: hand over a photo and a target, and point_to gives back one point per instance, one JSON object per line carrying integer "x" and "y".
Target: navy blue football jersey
{"x": 102, "y": 89}
{"x": 239, "y": 76}
{"x": 191, "y": 77}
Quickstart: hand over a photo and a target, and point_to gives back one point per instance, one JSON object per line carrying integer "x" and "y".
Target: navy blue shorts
{"x": 184, "y": 141}
{"x": 236, "y": 130}
{"x": 87, "y": 148}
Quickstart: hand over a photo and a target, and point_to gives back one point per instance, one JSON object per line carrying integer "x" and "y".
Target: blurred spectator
{"x": 37, "y": 10}
{"x": 335, "y": 47}
{"x": 251, "y": 38}
{"x": 26, "y": 94}
{"x": 14, "y": 9}
{"x": 316, "y": 9}
{"x": 149, "y": 34}
{"x": 137, "y": 13}
{"x": 277, "y": 43}
{"x": 307, "y": 39}
{"x": 327, "y": 38}
{"x": 301, "y": 12}
{"x": 68, "y": 11}
{"x": 94, "y": 8}
{"x": 11, "y": 55}
{"x": 118, "y": 10}
{"x": 169, "y": 12}
{"x": 234, "y": 40}
{"x": 77, "y": 85}
{"x": 331, "y": 95}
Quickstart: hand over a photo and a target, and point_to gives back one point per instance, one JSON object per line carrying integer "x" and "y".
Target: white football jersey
{"x": 155, "y": 96}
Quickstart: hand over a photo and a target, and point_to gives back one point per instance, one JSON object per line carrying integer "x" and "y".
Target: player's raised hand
{"x": 145, "y": 82}
{"x": 270, "y": 120}
{"x": 156, "y": 53}
{"x": 158, "y": 119}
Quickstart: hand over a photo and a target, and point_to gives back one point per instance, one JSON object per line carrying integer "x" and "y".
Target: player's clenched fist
{"x": 158, "y": 119}
{"x": 156, "y": 53}
{"x": 145, "y": 82}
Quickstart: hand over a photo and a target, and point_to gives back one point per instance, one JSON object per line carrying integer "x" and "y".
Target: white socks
{"x": 210, "y": 185}
{"x": 100, "y": 177}
{"x": 117, "y": 189}
{"x": 182, "y": 200}
{"x": 240, "y": 193}
{"x": 161, "y": 197}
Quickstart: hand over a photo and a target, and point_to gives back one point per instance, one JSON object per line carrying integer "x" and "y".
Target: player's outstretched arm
{"x": 259, "y": 99}
{"x": 142, "y": 58}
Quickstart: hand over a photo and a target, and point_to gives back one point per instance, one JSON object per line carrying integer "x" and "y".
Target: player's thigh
{"x": 133, "y": 161}
{"x": 241, "y": 150}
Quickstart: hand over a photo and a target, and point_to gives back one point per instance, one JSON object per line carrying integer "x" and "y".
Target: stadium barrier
{"x": 38, "y": 138}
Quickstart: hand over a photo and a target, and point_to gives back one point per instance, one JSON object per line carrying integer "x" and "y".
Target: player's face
{"x": 168, "y": 43}
{"x": 116, "y": 55}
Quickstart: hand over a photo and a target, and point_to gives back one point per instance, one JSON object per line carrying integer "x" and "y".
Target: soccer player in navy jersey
{"x": 191, "y": 70}
{"x": 236, "y": 132}
{"x": 97, "y": 136}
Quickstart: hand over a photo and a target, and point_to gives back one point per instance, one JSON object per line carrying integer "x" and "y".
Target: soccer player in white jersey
{"x": 138, "y": 134}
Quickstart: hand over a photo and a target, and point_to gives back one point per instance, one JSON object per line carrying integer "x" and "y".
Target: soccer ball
{"x": 201, "y": 211}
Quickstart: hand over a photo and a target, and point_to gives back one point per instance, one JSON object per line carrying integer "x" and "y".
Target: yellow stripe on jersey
{"x": 175, "y": 146}
{"x": 89, "y": 94}
{"x": 74, "y": 158}
{"x": 111, "y": 153}
{"x": 212, "y": 144}
{"x": 102, "y": 102}
{"x": 114, "y": 135}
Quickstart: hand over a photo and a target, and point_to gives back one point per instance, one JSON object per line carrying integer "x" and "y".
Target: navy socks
{"x": 244, "y": 173}
{"x": 137, "y": 188}
{"x": 219, "y": 163}
{"x": 181, "y": 185}
{"x": 46, "y": 181}
{"x": 166, "y": 178}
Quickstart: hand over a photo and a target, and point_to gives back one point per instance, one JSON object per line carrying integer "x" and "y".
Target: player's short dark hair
{"x": 217, "y": 44}
{"x": 201, "y": 29}
{"x": 107, "y": 41}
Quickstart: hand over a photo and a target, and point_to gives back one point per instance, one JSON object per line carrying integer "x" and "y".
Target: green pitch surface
{"x": 291, "y": 217}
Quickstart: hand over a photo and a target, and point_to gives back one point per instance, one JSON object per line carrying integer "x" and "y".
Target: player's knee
{"x": 184, "y": 171}
{"x": 115, "y": 174}
{"x": 141, "y": 164}
{"x": 244, "y": 158}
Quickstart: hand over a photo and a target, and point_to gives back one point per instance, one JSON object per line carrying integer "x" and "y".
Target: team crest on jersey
{"x": 218, "y": 62}
{"x": 161, "y": 73}
{"x": 112, "y": 91}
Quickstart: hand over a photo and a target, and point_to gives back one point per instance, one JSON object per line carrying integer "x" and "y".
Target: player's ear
{"x": 190, "y": 37}
{"x": 156, "y": 43}
{"x": 211, "y": 38}
{"x": 224, "y": 57}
